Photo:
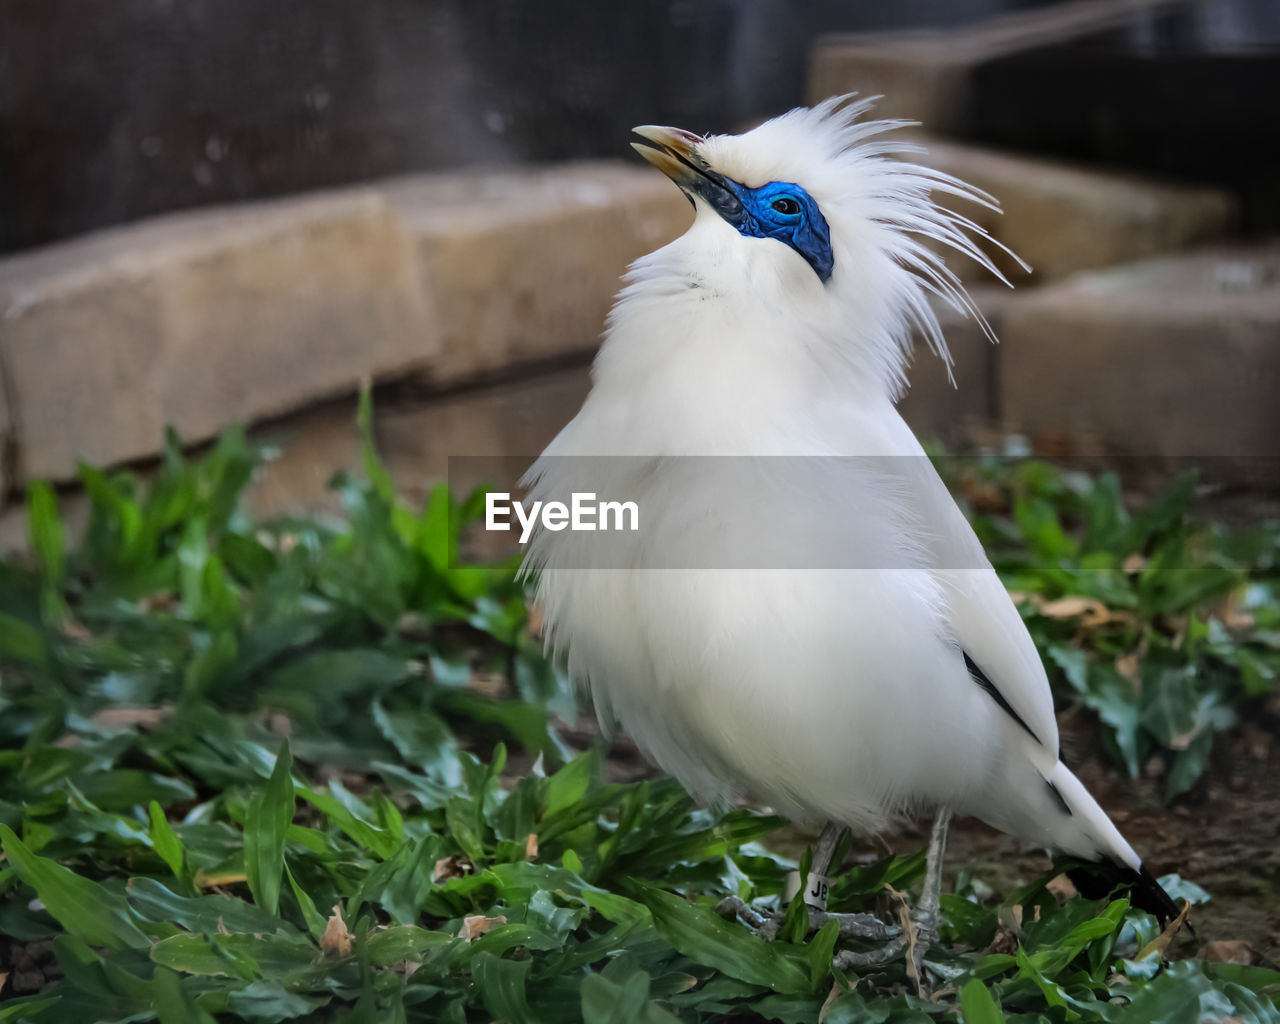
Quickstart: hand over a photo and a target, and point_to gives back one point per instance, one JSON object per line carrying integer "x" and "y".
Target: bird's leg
{"x": 852, "y": 926}
{"x": 923, "y": 920}
{"x": 925, "y": 915}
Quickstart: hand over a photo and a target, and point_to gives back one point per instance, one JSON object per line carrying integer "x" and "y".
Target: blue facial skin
{"x": 788, "y": 213}
{"x": 780, "y": 210}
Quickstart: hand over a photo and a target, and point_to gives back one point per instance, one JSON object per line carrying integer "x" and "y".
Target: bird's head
{"x": 773, "y": 209}
{"x": 810, "y": 210}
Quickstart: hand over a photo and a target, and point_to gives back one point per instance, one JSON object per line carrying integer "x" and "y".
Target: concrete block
{"x": 492, "y": 433}
{"x": 502, "y": 427}
{"x": 948, "y": 408}
{"x": 311, "y": 446}
{"x": 248, "y": 313}
{"x": 522, "y": 266}
{"x": 917, "y": 79}
{"x": 199, "y": 320}
{"x": 1061, "y": 219}
{"x": 1174, "y": 357}
{"x": 924, "y": 75}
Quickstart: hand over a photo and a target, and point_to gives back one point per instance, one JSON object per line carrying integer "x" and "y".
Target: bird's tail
{"x": 1055, "y": 809}
{"x": 1095, "y": 881}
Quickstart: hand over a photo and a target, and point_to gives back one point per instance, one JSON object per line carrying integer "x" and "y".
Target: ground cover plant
{"x": 266, "y": 771}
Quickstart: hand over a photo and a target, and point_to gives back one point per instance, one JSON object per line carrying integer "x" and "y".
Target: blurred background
{"x": 115, "y": 112}
{"x": 236, "y": 211}
{"x": 219, "y": 212}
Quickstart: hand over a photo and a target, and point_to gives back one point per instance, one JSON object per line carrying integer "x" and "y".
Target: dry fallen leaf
{"x": 128, "y": 718}
{"x": 490, "y": 684}
{"x": 1227, "y": 951}
{"x": 912, "y": 932}
{"x": 535, "y": 620}
{"x": 530, "y": 846}
{"x": 158, "y": 601}
{"x": 414, "y": 626}
{"x": 336, "y": 938}
{"x": 451, "y": 867}
{"x": 4, "y": 977}
{"x": 838, "y": 989}
{"x": 1062, "y": 887}
{"x": 280, "y": 724}
{"x": 1127, "y": 666}
{"x": 74, "y": 629}
{"x": 1091, "y": 612}
{"x": 1161, "y": 942}
{"x": 474, "y": 927}
{"x": 1135, "y": 563}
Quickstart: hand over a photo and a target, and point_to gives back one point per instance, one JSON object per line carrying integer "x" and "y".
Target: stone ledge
{"x": 1062, "y": 219}
{"x": 938, "y": 409}
{"x": 246, "y": 313}
{"x": 522, "y": 266}
{"x": 199, "y": 320}
{"x": 1172, "y": 357}
{"x": 924, "y": 75}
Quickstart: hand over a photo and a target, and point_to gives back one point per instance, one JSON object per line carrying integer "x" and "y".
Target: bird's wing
{"x": 980, "y": 613}
{"x": 1000, "y": 653}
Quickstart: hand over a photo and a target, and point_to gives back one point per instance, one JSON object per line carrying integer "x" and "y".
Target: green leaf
{"x": 566, "y": 787}
{"x": 269, "y": 1001}
{"x": 193, "y": 553}
{"x": 19, "y": 1012}
{"x": 22, "y": 642}
{"x": 605, "y": 1001}
{"x": 84, "y": 908}
{"x": 204, "y": 914}
{"x": 266, "y": 823}
{"x": 1173, "y": 997}
{"x": 373, "y": 467}
{"x": 45, "y": 530}
{"x": 165, "y": 841}
{"x": 1189, "y": 764}
{"x": 329, "y": 675}
{"x": 175, "y": 1005}
{"x": 377, "y": 840}
{"x": 194, "y": 954}
{"x": 701, "y": 934}
{"x": 977, "y": 1006}
{"x": 315, "y": 921}
{"x": 821, "y": 950}
{"x": 501, "y": 985}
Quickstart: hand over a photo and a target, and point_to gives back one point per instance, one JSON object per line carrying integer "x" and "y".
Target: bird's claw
{"x": 735, "y": 907}
{"x": 767, "y": 926}
{"x": 915, "y": 939}
{"x": 856, "y": 926}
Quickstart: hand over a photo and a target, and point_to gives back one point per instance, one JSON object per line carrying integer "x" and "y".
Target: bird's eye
{"x": 786, "y": 206}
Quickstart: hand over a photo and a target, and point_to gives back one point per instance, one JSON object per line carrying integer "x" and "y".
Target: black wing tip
{"x": 1096, "y": 881}
{"x": 1149, "y": 895}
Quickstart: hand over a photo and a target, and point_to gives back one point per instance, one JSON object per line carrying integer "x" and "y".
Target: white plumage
{"x": 717, "y": 638}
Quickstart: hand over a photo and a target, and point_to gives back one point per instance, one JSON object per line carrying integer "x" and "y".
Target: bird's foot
{"x": 764, "y": 925}
{"x": 918, "y": 933}
{"x": 851, "y": 926}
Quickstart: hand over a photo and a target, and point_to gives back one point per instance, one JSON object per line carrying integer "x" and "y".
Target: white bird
{"x": 822, "y": 631}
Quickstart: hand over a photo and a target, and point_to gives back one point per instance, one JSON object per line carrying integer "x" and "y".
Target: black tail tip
{"x": 1096, "y": 881}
